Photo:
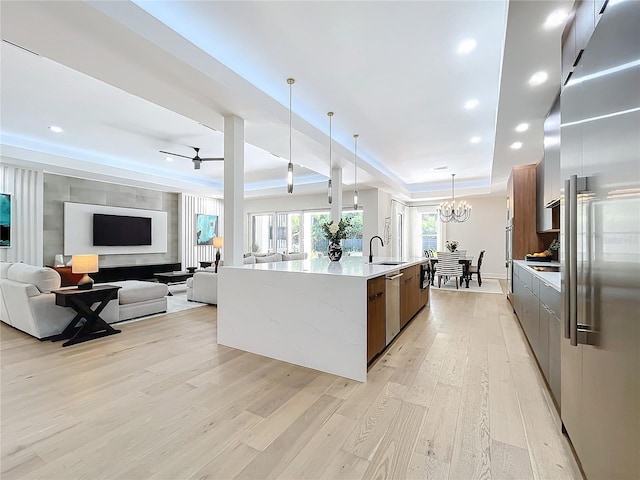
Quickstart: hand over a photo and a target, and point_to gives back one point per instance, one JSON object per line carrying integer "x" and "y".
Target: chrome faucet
{"x": 370, "y": 242}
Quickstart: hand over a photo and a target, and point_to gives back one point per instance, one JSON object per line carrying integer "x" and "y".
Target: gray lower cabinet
{"x": 537, "y": 307}
{"x": 555, "y": 331}
{"x": 542, "y": 351}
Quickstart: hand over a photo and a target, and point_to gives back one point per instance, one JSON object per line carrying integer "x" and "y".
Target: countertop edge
{"x": 380, "y": 270}
{"x": 550, "y": 278}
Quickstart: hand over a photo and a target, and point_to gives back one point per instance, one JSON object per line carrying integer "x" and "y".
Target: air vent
{"x": 441, "y": 168}
{"x": 21, "y": 48}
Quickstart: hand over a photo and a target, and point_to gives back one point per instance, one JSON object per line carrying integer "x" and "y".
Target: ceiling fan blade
{"x": 176, "y": 154}
{"x": 212, "y": 159}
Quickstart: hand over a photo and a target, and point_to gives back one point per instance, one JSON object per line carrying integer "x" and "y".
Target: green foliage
{"x": 355, "y": 224}
{"x": 336, "y": 232}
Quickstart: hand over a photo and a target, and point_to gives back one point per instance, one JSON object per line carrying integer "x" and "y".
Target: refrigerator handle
{"x": 565, "y": 261}
{"x": 573, "y": 260}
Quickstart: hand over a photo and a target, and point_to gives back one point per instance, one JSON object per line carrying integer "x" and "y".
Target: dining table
{"x": 466, "y": 267}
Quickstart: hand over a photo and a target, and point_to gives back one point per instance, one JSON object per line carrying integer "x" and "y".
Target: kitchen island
{"x": 310, "y": 312}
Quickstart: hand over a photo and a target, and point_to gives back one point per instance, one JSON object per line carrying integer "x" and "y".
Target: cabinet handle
{"x": 395, "y": 276}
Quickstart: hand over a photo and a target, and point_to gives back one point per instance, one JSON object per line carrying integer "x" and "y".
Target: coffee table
{"x": 173, "y": 277}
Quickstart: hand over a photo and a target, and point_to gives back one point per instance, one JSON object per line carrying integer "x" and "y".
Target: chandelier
{"x": 449, "y": 212}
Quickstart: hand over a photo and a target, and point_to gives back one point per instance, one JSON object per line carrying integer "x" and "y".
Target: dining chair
{"x": 448, "y": 266}
{"x": 476, "y": 269}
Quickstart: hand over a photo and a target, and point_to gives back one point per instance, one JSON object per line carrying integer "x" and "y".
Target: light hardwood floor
{"x": 456, "y": 396}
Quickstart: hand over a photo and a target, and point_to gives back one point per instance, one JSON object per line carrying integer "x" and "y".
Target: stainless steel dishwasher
{"x": 392, "y": 294}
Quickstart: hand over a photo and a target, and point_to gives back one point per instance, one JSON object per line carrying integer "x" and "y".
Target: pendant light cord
{"x": 290, "y": 94}
{"x": 329, "y": 184}
{"x": 290, "y": 81}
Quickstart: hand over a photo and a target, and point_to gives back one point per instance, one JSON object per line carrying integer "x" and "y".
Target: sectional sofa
{"x": 26, "y": 301}
{"x": 203, "y": 286}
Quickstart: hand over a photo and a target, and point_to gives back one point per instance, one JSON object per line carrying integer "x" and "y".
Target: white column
{"x": 336, "y": 189}
{"x": 233, "y": 190}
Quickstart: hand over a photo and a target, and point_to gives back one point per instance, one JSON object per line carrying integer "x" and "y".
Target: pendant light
{"x": 329, "y": 189}
{"x": 290, "y": 81}
{"x": 355, "y": 171}
{"x": 449, "y": 212}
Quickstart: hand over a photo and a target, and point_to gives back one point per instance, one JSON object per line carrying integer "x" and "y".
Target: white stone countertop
{"x": 347, "y": 266}
{"x": 550, "y": 278}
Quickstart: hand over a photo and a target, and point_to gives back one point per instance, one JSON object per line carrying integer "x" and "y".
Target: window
{"x": 429, "y": 231}
{"x": 262, "y": 233}
{"x": 289, "y": 232}
{"x": 352, "y": 245}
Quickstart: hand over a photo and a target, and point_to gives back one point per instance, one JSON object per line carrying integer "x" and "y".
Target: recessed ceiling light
{"x": 168, "y": 159}
{"x": 55, "y": 129}
{"x": 475, "y": 139}
{"x": 471, "y": 104}
{"x": 538, "y": 78}
{"x": 523, "y": 127}
{"x": 516, "y": 145}
{"x": 555, "y": 19}
{"x": 466, "y": 46}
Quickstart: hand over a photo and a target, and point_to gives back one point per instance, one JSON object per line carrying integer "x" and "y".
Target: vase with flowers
{"x": 334, "y": 233}
{"x": 452, "y": 245}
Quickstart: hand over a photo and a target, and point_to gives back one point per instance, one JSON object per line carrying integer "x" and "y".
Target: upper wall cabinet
{"x": 577, "y": 32}
{"x": 548, "y": 174}
{"x": 552, "y": 155}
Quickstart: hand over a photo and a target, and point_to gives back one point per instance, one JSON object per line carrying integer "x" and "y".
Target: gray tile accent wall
{"x": 59, "y": 189}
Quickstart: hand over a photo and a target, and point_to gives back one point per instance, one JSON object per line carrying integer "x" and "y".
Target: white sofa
{"x": 26, "y": 301}
{"x": 203, "y": 286}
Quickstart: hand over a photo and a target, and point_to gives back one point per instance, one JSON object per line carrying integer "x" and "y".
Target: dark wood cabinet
{"x": 412, "y": 297}
{"x": 376, "y": 326}
{"x": 522, "y": 195}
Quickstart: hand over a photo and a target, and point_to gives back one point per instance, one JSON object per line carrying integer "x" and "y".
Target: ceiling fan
{"x": 196, "y": 160}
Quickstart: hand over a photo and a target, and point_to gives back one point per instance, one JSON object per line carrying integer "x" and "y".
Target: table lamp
{"x": 84, "y": 264}
{"x": 217, "y": 243}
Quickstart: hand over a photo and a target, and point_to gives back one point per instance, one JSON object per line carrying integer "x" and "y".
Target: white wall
{"x": 26, "y": 188}
{"x": 189, "y": 206}
{"x": 485, "y": 230}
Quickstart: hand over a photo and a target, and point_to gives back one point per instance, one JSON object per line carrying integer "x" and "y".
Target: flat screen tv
{"x": 121, "y": 230}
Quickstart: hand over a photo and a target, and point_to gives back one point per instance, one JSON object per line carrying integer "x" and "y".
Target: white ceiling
{"x": 155, "y": 73}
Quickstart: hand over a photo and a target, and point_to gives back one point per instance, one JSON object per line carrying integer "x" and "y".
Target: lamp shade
{"x": 84, "y": 263}
{"x": 217, "y": 242}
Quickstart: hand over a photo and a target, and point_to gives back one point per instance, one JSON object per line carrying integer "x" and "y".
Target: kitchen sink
{"x": 389, "y": 263}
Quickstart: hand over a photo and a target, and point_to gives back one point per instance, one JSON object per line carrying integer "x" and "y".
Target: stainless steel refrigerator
{"x": 600, "y": 252}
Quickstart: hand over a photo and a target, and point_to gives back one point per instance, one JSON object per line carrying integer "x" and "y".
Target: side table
{"x": 81, "y": 301}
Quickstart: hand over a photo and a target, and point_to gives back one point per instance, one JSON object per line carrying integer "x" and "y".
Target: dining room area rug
{"x": 489, "y": 285}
